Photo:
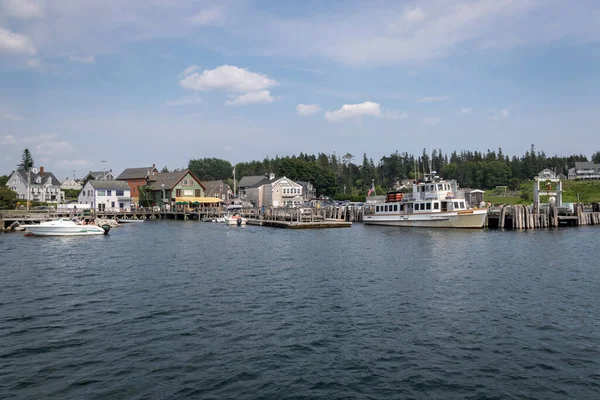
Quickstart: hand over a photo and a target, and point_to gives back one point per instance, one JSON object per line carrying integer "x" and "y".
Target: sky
{"x": 94, "y": 84}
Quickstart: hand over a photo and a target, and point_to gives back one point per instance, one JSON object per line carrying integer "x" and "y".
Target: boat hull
{"x": 83, "y": 230}
{"x": 234, "y": 221}
{"x": 470, "y": 220}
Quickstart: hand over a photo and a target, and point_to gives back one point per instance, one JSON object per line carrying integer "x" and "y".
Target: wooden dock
{"x": 301, "y": 225}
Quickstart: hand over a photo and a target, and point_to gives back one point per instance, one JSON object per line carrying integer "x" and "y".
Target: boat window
{"x": 436, "y": 205}
{"x": 395, "y": 207}
{"x": 376, "y": 208}
{"x": 428, "y": 206}
{"x": 456, "y": 204}
{"x": 401, "y": 207}
{"x": 462, "y": 204}
{"x": 440, "y": 186}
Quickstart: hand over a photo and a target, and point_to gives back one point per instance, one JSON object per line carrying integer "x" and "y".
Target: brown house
{"x": 136, "y": 177}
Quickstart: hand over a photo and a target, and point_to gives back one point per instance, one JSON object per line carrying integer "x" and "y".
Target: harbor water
{"x": 173, "y": 310}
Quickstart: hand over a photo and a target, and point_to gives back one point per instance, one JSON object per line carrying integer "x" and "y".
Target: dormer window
{"x": 38, "y": 180}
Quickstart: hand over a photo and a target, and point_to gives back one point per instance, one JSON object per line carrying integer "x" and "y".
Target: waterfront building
{"x": 44, "y": 187}
{"x": 275, "y": 192}
{"x": 585, "y": 171}
{"x": 106, "y": 195}
{"x": 71, "y": 184}
{"x": 218, "y": 189}
{"x": 308, "y": 190}
{"x": 174, "y": 187}
{"x": 136, "y": 177}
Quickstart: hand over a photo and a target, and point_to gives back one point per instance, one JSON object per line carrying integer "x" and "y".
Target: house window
{"x": 109, "y": 193}
{"x": 101, "y": 193}
{"x": 198, "y": 193}
{"x": 185, "y": 182}
{"x": 177, "y": 192}
{"x": 119, "y": 193}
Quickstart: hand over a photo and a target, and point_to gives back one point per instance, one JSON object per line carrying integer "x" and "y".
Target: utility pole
{"x": 104, "y": 168}
{"x": 234, "y": 181}
{"x": 28, "y": 187}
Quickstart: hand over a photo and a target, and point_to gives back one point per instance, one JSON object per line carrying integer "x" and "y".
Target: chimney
{"x": 41, "y": 170}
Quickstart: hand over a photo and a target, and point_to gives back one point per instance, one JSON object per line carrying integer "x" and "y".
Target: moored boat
{"x": 433, "y": 203}
{"x": 65, "y": 227}
{"x": 234, "y": 219}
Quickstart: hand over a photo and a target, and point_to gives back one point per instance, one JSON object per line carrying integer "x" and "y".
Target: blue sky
{"x": 142, "y": 81}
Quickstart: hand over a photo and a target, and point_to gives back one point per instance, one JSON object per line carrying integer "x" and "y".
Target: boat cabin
{"x": 430, "y": 196}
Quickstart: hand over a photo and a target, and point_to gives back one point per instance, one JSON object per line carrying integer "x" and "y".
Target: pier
{"x": 501, "y": 217}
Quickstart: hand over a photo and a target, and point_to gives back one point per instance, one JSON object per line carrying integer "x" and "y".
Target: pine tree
{"x": 26, "y": 160}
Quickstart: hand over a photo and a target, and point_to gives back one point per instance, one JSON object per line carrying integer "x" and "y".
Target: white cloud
{"x": 184, "y": 101}
{"x": 414, "y": 15}
{"x": 8, "y": 140}
{"x": 15, "y": 43}
{"x": 228, "y": 78}
{"x": 431, "y": 121}
{"x": 53, "y": 148}
{"x": 264, "y": 96}
{"x": 350, "y": 111}
{"x": 502, "y": 114}
{"x": 189, "y": 70}
{"x": 308, "y": 109}
{"x": 23, "y": 8}
{"x": 74, "y": 163}
{"x": 82, "y": 60}
{"x": 12, "y": 117}
{"x": 33, "y": 63}
{"x": 207, "y": 17}
{"x": 466, "y": 110}
{"x": 432, "y": 99}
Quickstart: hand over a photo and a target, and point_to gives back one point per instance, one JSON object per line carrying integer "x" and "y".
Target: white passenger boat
{"x": 65, "y": 227}
{"x": 434, "y": 203}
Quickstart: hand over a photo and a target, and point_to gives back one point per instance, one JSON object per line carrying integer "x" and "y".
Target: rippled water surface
{"x": 170, "y": 310}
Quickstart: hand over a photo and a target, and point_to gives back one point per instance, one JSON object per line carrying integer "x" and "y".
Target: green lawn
{"x": 588, "y": 191}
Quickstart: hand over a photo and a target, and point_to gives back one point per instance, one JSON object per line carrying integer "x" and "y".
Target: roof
{"x": 249, "y": 181}
{"x": 45, "y": 176}
{"x": 170, "y": 179}
{"x": 136, "y": 173}
{"x": 263, "y": 182}
{"x": 213, "y": 187}
{"x": 97, "y": 175}
{"x": 116, "y": 185}
{"x": 586, "y": 165}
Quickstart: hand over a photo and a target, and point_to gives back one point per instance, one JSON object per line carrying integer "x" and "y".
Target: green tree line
{"x": 348, "y": 177}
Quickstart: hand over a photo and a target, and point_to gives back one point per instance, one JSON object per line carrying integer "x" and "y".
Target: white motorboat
{"x": 128, "y": 221}
{"x": 65, "y": 227}
{"x": 234, "y": 219}
{"x": 433, "y": 203}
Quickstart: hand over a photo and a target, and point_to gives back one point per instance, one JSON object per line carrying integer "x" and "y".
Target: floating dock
{"x": 301, "y": 225}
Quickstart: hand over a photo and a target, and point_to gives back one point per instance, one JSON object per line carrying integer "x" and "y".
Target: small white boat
{"x": 234, "y": 219}
{"x": 65, "y": 227}
{"x": 128, "y": 221}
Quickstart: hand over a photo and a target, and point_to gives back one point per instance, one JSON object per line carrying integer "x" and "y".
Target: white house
{"x": 106, "y": 195}
{"x": 44, "y": 186}
{"x": 72, "y": 184}
{"x": 275, "y": 192}
{"x": 585, "y": 171}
